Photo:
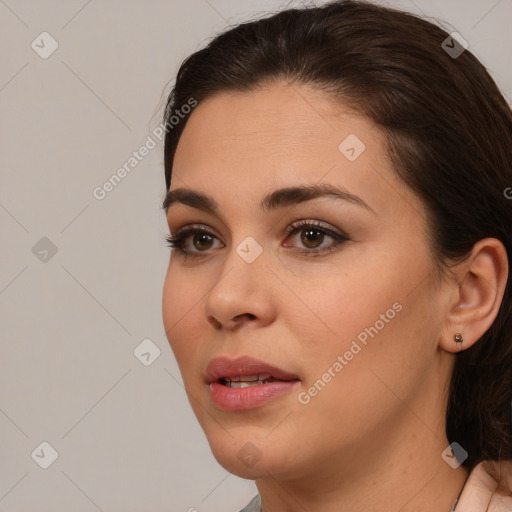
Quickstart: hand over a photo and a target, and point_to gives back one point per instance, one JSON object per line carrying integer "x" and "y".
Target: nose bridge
{"x": 249, "y": 250}
{"x": 242, "y": 268}
{"x": 239, "y": 289}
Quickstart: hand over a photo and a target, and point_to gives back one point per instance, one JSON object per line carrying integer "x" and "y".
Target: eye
{"x": 312, "y": 233}
{"x": 200, "y": 235}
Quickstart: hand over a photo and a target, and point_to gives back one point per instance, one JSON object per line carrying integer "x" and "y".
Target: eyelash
{"x": 178, "y": 241}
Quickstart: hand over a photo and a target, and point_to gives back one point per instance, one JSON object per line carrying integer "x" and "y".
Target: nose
{"x": 241, "y": 295}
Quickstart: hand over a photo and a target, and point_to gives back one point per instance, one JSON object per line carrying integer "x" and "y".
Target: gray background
{"x": 124, "y": 432}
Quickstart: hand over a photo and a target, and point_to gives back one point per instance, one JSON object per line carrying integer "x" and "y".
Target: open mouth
{"x": 245, "y": 381}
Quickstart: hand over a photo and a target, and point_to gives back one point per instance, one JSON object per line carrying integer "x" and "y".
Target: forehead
{"x": 276, "y": 120}
{"x": 243, "y": 144}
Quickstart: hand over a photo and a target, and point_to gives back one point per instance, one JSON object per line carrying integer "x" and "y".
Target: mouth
{"x": 244, "y": 372}
{"x": 246, "y": 383}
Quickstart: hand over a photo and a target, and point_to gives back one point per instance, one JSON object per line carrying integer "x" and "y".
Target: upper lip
{"x": 222, "y": 367}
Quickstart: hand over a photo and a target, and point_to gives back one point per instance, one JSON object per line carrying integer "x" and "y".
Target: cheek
{"x": 337, "y": 305}
{"x": 361, "y": 395}
{"x": 377, "y": 320}
{"x": 353, "y": 322}
{"x": 180, "y": 313}
{"x": 385, "y": 339}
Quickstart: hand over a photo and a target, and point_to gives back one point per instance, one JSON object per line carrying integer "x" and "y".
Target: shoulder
{"x": 488, "y": 488}
{"x": 254, "y": 505}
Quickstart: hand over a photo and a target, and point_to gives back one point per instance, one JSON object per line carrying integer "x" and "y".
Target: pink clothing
{"x": 488, "y": 488}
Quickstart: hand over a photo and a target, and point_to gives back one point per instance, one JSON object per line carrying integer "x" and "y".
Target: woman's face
{"x": 355, "y": 321}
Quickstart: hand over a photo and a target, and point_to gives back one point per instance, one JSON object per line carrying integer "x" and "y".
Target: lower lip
{"x": 241, "y": 399}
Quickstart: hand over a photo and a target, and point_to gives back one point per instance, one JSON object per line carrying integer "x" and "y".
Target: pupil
{"x": 201, "y": 237}
{"x": 309, "y": 237}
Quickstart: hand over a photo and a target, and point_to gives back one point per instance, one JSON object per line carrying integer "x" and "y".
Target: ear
{"x": 477, "y": 293}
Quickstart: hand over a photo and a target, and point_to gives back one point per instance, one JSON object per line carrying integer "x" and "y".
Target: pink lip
{"x": 221, "y": 367}
{"x": 241, "y": 399}
{"x": 238, "y": 399}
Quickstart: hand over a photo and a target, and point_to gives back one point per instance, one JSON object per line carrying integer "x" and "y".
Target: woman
{"x": 338, "y": 298}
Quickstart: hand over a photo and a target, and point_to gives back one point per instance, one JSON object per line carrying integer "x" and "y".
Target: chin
{"x": 249, "y": 456}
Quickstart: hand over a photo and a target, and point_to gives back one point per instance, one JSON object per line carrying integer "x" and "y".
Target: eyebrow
{"x": 279, "y": 198}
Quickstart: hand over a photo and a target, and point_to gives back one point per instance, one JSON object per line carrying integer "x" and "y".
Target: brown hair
{"x": 448, "y": 131}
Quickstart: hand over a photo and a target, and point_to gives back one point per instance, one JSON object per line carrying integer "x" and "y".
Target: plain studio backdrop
{"x": 93, "y": 415}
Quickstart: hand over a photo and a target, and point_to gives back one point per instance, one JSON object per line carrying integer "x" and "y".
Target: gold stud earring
{"x": 459, "y": 339}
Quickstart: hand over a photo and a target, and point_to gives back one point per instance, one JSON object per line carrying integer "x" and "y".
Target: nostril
{"x": 212, "y": 320}
{"x": 250, "y": 315}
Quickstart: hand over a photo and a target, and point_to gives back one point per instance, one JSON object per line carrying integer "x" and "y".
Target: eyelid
{"x": 339, "y": 237}
{"x": 195, "y": 226}
{"x": 328, "y": 228}
{"x": 293, "y": 226}
{"x": 290, "y": 227}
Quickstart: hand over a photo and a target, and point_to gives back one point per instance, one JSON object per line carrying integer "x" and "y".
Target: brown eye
{"x": 312, "y": 234}
{"x": 202, "y": 241}
{"x": 311, "y": 237}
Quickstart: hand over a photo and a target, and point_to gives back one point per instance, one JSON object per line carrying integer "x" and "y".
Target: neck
{"x": 393, "y": 471}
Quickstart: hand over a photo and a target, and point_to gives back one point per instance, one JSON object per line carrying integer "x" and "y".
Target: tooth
{"x": 247, "y": 378}
{"x": 243, "y": 378}
{"x": 234, "y": 384}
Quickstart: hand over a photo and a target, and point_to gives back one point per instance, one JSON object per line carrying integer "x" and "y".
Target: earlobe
{"x": 480, "y": 282}
{"x": 459, "y": 339}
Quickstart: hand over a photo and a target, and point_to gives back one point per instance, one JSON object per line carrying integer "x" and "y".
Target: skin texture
{"x": 372, "y": 438}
